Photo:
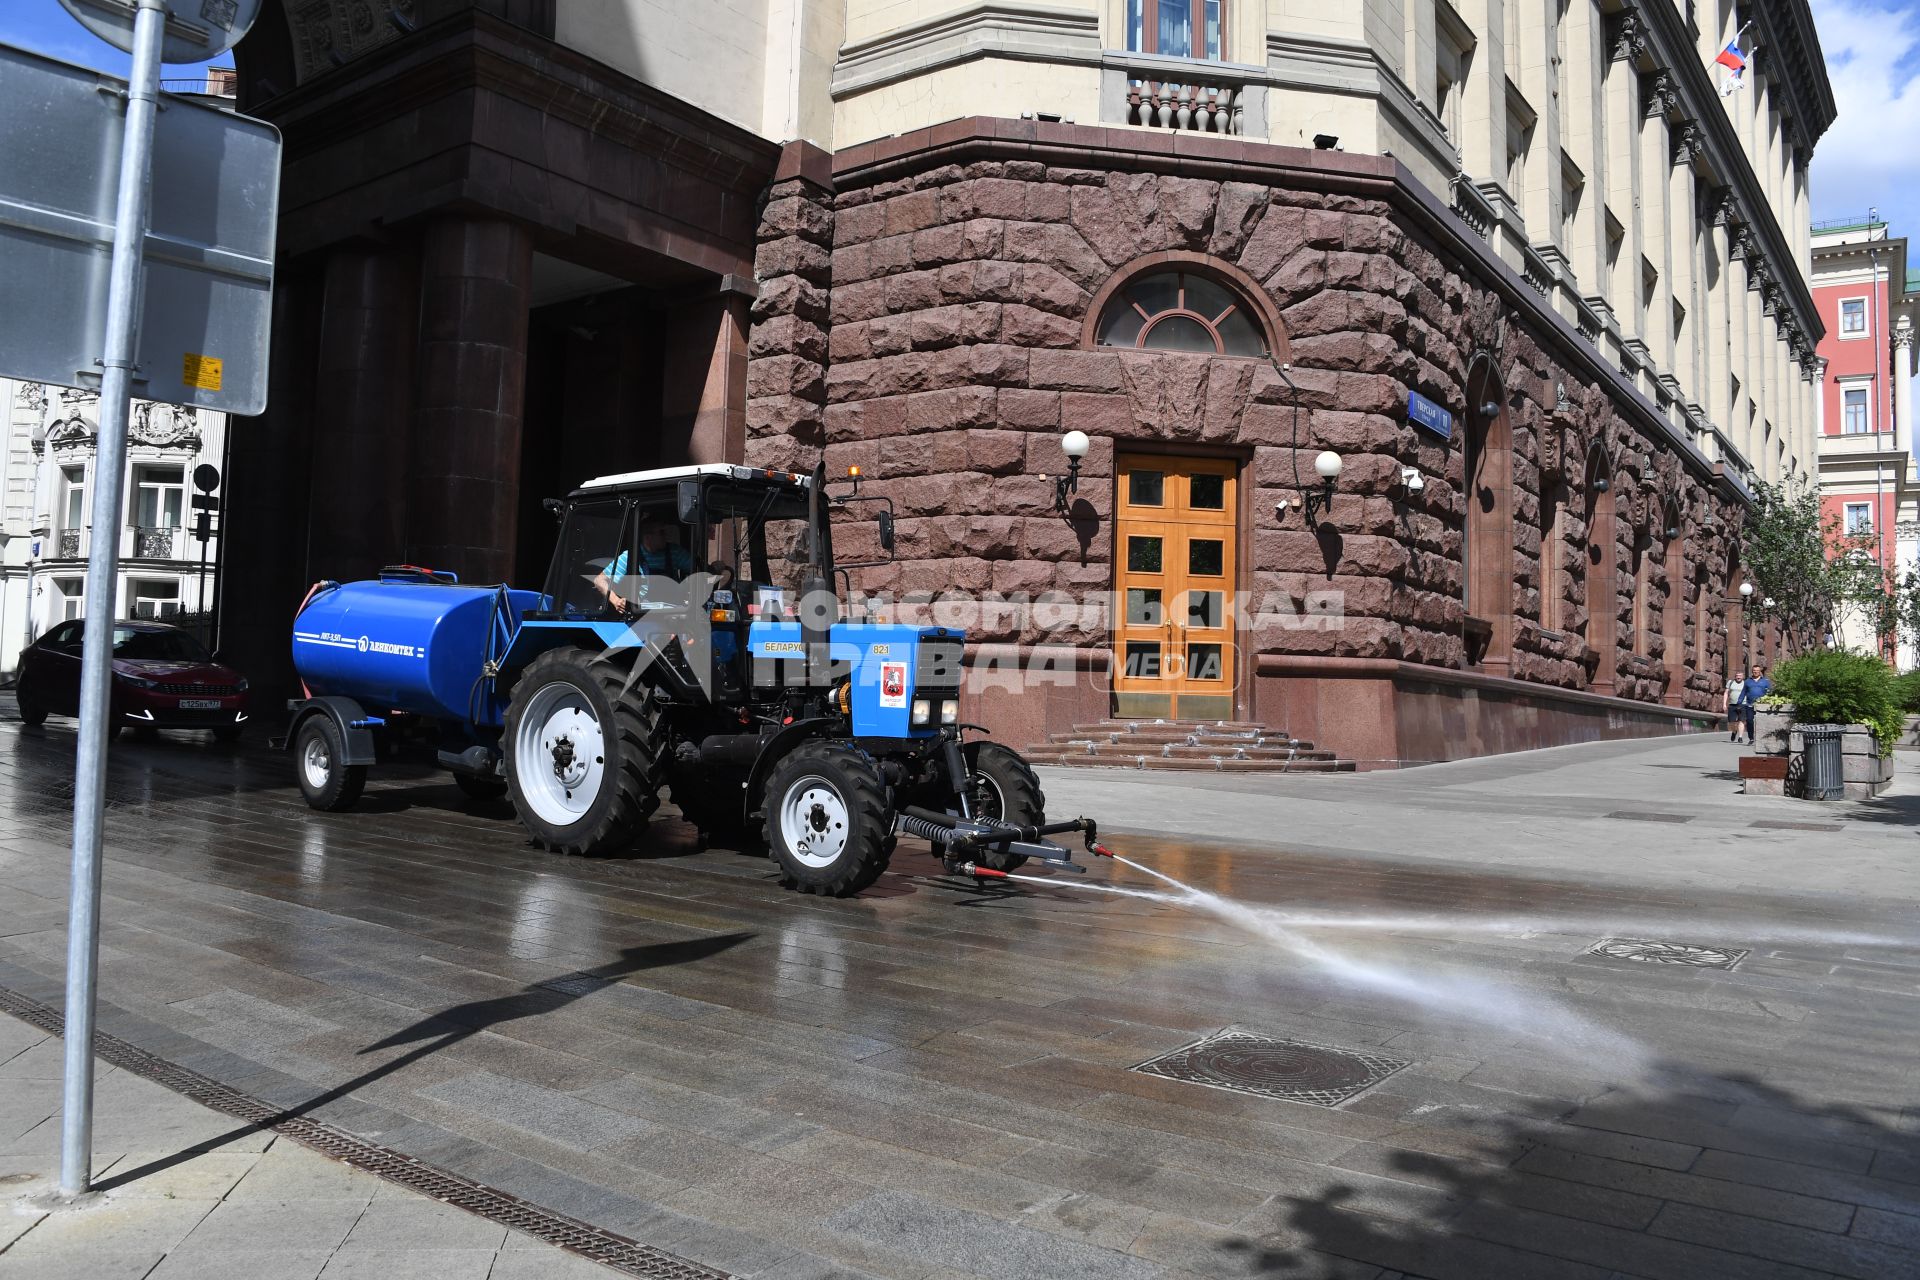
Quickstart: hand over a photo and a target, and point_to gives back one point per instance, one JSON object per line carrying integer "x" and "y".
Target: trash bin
{"x": 1820, "y": 748}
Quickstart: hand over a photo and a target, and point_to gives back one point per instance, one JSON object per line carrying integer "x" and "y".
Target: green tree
{"x": 1806, "y": 564}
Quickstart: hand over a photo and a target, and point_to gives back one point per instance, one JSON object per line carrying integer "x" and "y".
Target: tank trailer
{"x": 688, "y": 640}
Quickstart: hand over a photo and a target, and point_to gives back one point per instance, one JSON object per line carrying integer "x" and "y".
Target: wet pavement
{"x": 933, "y": 1080}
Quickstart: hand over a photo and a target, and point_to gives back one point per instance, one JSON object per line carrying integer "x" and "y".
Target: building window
{"x": 1453, "y": 56}
{"x": 73, "y": 480}
{"x": 1855, "y": 418}
{"x": 160, "y": 494}
{"x": 1853, "y": 317}
{"x": 1859, "y": 518}
{"x": 1553, "y": 557}
{"x": 73, "y": 597}
{"x": 154, "y": 598}
{"x": 1180, "y": 311}
{"x": 1177, "y": 28}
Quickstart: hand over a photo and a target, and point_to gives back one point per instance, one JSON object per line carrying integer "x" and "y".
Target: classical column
{"x": 704, "y": 410}
{"x": 1656, "y": 166}
{"x": 363, "y": 401}
{"x": 1902, "y": 368}
{"x": 464, "y": 490}
{"x": 1626, "y": 44}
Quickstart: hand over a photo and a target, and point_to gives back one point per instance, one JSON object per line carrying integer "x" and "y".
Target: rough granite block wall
{"x": 934, "y": 329}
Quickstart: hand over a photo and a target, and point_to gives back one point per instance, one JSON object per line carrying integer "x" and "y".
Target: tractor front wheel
{"x": 828, "y": 824}
{"x": 586, "y": 752}
{"x": 1002, "y": 785}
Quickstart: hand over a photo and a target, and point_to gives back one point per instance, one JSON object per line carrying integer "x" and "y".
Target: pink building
{"x": 1869, "y": 481}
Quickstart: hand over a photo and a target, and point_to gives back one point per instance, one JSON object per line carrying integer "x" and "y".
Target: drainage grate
{"x": 1797, "y": 826}
{"x": 1652, "y": 817}
{"x": 1683, "y": 953}
{"x": 1287, "y": 1069}
{"x": 497, "y": 1206}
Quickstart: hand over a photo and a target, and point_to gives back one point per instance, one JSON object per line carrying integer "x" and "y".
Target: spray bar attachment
{"x": 959, "y": 841}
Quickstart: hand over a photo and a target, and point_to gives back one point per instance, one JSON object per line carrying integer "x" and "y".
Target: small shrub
{"x": 1831, "y": 687}
{"x": 1906, "y": 692}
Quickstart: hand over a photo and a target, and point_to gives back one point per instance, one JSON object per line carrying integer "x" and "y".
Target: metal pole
{"x": 126, "y": 279}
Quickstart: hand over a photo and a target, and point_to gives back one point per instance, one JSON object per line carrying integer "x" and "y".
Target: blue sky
{"x": 1871, "y": 155}
{"x": 1870, "y": 158}
{"x": 45, "y": 27}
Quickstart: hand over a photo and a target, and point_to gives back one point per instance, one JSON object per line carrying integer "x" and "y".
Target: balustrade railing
{"x": 1193, "y": 108}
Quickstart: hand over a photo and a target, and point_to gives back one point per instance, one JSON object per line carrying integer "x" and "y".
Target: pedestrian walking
{"x": 1732, "y": 703}
{"x": 1755, "y": 687}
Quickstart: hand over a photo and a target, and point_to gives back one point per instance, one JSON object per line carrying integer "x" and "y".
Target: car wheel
{"x": 31, "y": 712}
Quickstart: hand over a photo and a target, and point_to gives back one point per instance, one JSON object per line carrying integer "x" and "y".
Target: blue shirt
{"x": 672, "y": 561}
{"x": 1754, "y": 690}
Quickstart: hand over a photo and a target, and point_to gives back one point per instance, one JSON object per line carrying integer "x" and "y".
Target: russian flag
{"x": 1735, "y": 61}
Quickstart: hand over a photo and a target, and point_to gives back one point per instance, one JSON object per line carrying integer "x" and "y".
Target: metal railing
{"x": 68, "y": 544}
{"x": 154, "y": 544}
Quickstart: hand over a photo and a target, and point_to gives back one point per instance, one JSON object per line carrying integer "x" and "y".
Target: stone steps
{"x": 1226, "y": 746}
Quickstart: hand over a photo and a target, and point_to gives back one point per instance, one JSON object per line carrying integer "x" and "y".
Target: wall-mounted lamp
{"x": 1326, "y": 142}
{"x": 1746, "y": 591}
{"x": 1673, "y": 531}
{"x": 1075, "y": 445}
{"x": 1327, "y": 467}
{"x": 1490, "y": 409}
{"x": 1601, "y": 484}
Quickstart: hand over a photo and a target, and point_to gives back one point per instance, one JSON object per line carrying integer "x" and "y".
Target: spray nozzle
{"x": 979, "y": 872}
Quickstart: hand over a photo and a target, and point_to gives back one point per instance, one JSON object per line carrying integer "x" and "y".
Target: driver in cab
{"x": 660, "y": 555}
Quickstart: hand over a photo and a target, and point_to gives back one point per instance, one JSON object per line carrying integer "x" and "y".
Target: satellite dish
{"x": 196, "y": 30}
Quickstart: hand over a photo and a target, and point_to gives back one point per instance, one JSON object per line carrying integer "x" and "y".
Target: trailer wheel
{"x": 1002, "y": 785}
{"x": 586, "y": 753}
{"x": 319, "y": 755}
{"x": 828, "y": 824}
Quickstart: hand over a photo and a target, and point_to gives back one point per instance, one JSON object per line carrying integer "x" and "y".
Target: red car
{"x": 163, "y": 678}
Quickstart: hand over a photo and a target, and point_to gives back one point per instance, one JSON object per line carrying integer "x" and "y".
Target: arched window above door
{"x": 1178, "y": 309}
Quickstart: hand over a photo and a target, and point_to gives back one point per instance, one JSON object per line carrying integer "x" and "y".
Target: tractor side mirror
{"x": 689, "y": 502}
{"x": 886, "y": 532}
{"x": 554, "y": 508}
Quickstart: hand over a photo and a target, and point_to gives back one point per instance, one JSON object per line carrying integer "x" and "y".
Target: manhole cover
{"x": 1646, "y": 952}
{"x": 1286, "y": 1069}
{"x": 1652, "y": 817}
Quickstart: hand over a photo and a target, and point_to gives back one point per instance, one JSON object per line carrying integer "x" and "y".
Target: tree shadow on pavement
{"x": 1720, "y": 1175}
{"x": 449, "y": 1027}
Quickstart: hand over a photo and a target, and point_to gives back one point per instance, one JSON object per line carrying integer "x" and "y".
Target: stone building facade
{"x": 927, "y": 311}
{"x": 525, "y": 243}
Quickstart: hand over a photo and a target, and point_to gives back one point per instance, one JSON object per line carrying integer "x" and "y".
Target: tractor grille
{"x": 197, "y": 690}
{"x": 938, "y": 665}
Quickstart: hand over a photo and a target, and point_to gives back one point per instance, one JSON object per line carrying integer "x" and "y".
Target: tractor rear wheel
{"x": 1002, "y": 785}
{"x": 828, "y": 823}
{"x": 586, "y": 752}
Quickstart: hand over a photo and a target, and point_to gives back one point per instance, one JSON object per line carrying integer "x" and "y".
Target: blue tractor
{"x": 689, "y": 640}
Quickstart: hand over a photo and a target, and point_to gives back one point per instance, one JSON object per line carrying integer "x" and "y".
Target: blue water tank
{"x": 402, "y": 644}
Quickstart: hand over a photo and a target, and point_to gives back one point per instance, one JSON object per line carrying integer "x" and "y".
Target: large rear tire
{"x": 1002, "y": 785}
{"x": 586, "y": 752}
{"x": 828, "y": 823}
{"x": 319, "y": 754}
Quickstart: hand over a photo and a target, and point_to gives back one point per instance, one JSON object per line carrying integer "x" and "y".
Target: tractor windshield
{"x": 757, "y": 537}
{"x": 618, "y": 556}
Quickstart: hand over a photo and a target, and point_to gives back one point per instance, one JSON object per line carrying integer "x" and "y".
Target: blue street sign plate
{"x": 1429, "y": 416}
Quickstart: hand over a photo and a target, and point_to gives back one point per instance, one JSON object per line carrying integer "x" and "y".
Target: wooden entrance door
{"x": 1174, "y": 576}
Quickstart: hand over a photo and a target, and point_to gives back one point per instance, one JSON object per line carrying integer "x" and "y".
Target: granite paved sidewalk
{"x": 936, "y": 1080}
{"x": 180, "y": 1198}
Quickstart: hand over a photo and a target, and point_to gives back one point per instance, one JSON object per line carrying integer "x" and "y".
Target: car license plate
{"x": 199, "y": 704}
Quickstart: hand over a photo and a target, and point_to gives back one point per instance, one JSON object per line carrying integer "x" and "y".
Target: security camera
{"x": 1280, "y": 509}
{"x": 1412, "y": 480}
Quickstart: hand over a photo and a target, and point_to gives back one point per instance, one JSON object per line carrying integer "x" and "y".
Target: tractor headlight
{"x": 922, "y": 711}
{"x": 950, "y": 711}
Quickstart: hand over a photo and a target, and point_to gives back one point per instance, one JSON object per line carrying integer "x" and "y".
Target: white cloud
{"x": 1869, "y": 157}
